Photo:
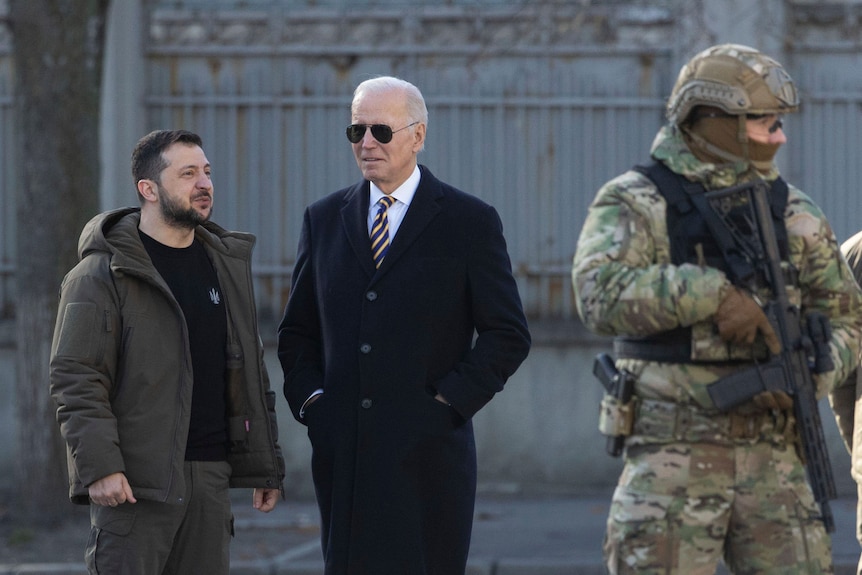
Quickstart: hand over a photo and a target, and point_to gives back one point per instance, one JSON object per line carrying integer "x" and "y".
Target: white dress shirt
{"x": 403, "y": 195}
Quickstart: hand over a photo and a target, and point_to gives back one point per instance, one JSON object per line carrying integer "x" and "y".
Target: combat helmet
{"x": 734, "y": 78}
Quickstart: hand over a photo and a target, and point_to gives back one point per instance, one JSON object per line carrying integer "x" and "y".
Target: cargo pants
{"x": 153, "y": 538}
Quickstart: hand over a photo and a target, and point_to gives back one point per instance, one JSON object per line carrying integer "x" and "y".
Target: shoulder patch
{"x": 78, "y": 330}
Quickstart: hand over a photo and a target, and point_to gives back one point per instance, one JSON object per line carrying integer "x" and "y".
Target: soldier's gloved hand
{"x": 773, "y": 400}
{"x": 739, "y": 318}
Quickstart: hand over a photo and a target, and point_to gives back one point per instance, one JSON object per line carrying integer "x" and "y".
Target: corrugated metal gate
{"x": 826, "y": 152}
{"x": 8, "y": 179}
{"x": 533, "y": 105}
{"x": 522, "y": 113}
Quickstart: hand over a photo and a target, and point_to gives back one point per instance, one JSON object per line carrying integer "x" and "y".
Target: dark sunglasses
{"x": 774, "y": 127}
{"x": 381, "y": 132}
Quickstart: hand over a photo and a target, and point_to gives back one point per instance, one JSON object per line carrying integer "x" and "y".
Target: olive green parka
{"x": 121, "y": 370}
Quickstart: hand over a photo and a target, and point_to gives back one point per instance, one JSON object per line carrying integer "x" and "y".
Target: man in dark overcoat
{"x": 403, "y": 320}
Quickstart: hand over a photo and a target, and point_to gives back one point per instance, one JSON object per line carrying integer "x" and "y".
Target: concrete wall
{"x": 538, "y": 436}
{"x": 540, "y": 433}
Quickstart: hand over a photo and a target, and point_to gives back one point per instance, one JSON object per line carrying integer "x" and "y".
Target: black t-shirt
{"x": 194, "y": 283}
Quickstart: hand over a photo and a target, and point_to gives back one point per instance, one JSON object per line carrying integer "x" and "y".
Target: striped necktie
{"x": 380, "y": 230}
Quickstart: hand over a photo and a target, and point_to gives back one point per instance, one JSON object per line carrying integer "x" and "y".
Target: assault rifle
{"x": 789, "y": 371}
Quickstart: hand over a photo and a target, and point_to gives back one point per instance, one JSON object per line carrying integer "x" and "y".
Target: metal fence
{"x": 826, "y": 151}
{"x": 532, "y": 126}
{"x": 533, "y": 105}
{"x": 8, "y": 183}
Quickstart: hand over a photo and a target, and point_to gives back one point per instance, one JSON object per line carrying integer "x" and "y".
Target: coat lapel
{"x": 423, "y": 208}
{"x": 354, "y": 218}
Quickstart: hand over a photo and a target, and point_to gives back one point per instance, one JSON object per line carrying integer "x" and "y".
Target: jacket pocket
{"x": 81, "y": 332}
{"x": 115, "y": 520}
{"x": 238, "y": 420}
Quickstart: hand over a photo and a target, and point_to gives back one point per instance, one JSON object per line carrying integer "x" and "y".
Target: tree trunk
{"x": 58, "y": 46}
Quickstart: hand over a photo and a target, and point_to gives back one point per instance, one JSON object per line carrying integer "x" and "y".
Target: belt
{"x": 669, "y": 347}
{"x": 668, "y": 420}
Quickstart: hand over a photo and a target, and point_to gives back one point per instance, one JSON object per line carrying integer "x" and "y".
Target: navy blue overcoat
{"x": 394, "y": 469}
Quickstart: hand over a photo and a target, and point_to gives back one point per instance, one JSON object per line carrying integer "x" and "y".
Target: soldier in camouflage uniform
{"x": 699, "y": 485}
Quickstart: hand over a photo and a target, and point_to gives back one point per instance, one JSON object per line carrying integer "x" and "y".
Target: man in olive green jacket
{"x": 157, "y": 370}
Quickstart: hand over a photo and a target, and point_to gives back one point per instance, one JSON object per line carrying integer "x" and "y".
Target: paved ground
{"x": 513, "y": 535}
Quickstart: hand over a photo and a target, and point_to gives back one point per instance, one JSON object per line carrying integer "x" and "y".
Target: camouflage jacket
{"x": 625, "y": 283}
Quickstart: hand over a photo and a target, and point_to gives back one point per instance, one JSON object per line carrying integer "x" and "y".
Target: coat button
{"x": 371, "y": 296}
{"x": 365, "y": 403}
{"x": 365, "y": 348}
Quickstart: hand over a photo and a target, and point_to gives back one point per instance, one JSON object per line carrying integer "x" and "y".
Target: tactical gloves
{"x": 739, "y": 318}
{"x": 773, "y": 400}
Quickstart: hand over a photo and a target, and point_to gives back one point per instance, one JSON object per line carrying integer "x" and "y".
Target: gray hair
{"x": 416, "y": 110}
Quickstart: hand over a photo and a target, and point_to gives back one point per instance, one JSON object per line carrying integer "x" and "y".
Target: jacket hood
{"x": 118, "y": 225}
{"x": 116, "y": 232}
{"x": 670, "y": 148}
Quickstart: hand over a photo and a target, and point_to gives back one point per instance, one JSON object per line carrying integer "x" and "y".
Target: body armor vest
{"x": 693, "y": 241}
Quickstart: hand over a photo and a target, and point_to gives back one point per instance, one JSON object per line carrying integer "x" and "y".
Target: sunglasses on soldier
{"x": 773, "y": 127}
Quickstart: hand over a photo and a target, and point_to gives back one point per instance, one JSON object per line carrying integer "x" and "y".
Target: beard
{"x": 177, "y": 216}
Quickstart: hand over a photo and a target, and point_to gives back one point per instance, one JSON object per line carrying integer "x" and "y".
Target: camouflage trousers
{"x": 680, "y": 508}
